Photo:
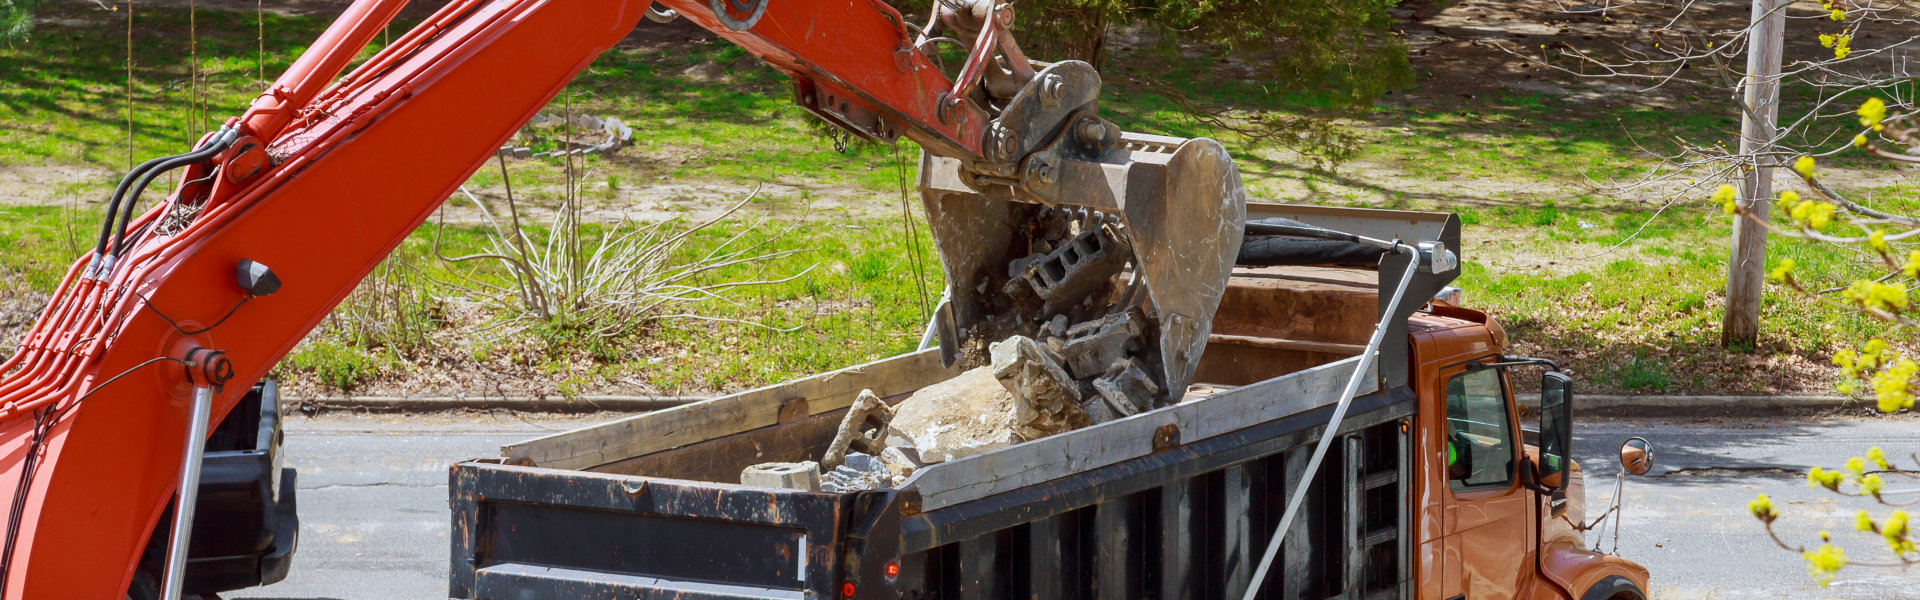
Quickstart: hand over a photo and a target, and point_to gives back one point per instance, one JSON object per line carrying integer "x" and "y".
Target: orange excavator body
{"x": 326, "y": 177}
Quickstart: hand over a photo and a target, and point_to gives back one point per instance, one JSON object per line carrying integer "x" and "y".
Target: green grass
{"x": 1641, "y": 317}
{"x": 41, "y": 242}
{"x": 1646, "y": 317}
{"x": 859, "y": 300}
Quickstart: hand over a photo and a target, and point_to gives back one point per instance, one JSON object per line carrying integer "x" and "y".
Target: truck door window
{"x": 1479, "y": 438}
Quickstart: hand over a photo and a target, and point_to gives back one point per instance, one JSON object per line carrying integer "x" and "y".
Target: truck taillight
{"x": 893, "y": 570}
{"x": 846, "y": 589}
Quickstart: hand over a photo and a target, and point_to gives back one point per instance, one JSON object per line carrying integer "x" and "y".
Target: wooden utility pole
{"x": 1746, "y": 269}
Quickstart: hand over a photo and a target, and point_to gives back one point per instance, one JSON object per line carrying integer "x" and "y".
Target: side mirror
{"x": 1636, "y": 456}
{"x": 1556, "y": 430}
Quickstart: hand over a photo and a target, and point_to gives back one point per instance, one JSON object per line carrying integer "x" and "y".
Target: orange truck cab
{"x": 1485, "y": 531}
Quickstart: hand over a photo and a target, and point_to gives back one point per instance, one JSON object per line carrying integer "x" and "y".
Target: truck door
{"x": 1485, "y": 523}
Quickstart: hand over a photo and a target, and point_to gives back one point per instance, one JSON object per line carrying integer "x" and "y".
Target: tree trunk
{"x": 1746, "y": 269}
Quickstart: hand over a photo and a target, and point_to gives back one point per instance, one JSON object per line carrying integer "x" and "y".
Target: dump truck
{"x": 1201, "y": 417}
{"x": 1429, "y": 489}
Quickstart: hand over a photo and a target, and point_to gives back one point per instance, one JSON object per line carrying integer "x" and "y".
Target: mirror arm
{"x": 1530, "y": 477}
{"x": 1514, "y": 361}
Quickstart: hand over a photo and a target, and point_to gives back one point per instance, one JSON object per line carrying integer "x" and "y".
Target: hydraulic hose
{"x": 126, "y": 197}
{"x": 113, "y": 204}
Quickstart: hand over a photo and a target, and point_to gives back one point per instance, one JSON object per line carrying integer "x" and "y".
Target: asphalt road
{"x": 373, "y": 502}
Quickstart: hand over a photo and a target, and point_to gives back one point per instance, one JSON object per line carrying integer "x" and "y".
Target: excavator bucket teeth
{"x": 1133, "y": 246}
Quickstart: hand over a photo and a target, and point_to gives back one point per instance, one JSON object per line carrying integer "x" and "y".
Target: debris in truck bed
{"x": 967, "y": 415}
{"x": 863, "y": 429}
{"x": 1046, "y": 399}
{"x": 1070, "y": 274}
{"x": 860, "y": 472}
{"x": 902, "y": 460}
{"x": 792, "y": 476}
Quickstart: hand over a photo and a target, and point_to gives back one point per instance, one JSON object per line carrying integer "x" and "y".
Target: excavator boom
{"x": 291, "y": 204}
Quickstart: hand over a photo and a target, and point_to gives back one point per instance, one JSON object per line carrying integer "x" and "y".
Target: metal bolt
{"x": 1043, "y": 172}
{"x": 1052, "y": 89}
{"x": 1004, "y": 142}
{"x": 1092, "y": 132}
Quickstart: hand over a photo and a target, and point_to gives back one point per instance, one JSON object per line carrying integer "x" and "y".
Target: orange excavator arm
{"x": 291, "y": 204}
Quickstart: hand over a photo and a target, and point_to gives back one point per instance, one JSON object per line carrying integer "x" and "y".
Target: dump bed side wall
{"x": 1188, "y": 521}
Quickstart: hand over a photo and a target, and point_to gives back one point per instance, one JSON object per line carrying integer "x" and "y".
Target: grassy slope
{"x": 1642, "y": 316}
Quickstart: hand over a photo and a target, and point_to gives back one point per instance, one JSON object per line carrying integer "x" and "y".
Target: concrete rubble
{"x": 1073, "y": 355}
{"x": 859, "y": 472}
{"x": 792, "y": 476}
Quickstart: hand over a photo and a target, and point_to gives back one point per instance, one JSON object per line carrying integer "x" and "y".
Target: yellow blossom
{"x": 1762, "y": 509}
{"x": 1789, "y": 198}
{"x": 1895, "y": 531}
{"x": 1872, "y": 112}
{"x": 1877, "y": 296}
{"x": 1863, "y": 521}
{"x": 1856, "y": 465}
{"x": 1783, "y": 272}
{"x": 1823, "y": 562}
{"x": 1860, "y": 141}
{"x": 1822, "y": 478}
{"x": 1871, "y": 485}
{"x": 1878, "y": 457}
{"x": 1815, "y": 215}
{"x": 1844, "y": 359}
{"x": 1893, "y": 386}
{"x": 1837, "y": 15}
{"x": 1728, "y": 199}
{"x": 1826, "y": 40}
{"x": 1912, "y": 268}
{"x": 1804, "y": 166}
{"x": 1877, "y": 241}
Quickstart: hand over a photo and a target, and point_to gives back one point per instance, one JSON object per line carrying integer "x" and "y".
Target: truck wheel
{"x": 1614, "y": 588}
{"x": 145, "y": 585}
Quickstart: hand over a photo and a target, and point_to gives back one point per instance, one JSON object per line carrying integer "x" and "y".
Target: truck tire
{"x": 1614, "y": 588}
{"x": 145, "y": 585}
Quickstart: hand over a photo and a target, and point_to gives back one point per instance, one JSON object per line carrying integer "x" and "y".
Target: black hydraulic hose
{"x": 113, "y": 204}
{"x": 1290, "y": 227}
{"x": 221, "y": 141}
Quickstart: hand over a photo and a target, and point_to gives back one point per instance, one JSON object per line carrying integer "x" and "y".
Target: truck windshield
{"x": 1480, "y": 443}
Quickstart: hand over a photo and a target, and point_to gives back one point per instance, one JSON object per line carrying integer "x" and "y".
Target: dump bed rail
{"x": 1177, "y": 499}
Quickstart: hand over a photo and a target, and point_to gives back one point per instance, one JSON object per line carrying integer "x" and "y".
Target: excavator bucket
{"x": 1119, "y": 274}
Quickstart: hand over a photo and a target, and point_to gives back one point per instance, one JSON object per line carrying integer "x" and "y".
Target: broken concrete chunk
{"x": 1046, "y": 398}
{"x": 1080, "y": 266}
{"x": 863, "y": 429}
{"x": 967, "y": 415}
{"x": 901, "y": 460}
{"x": 781, "y": 475}
{"x": 1126, "y": 389}
{"x": 1030, "y": 372}
{"x": 1093, "y": 346}
{"x": 859, "y": 472}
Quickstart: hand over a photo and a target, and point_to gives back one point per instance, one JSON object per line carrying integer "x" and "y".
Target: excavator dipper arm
{"x": 292, "y": 203}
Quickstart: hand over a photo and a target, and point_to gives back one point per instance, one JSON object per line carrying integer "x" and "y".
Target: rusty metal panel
{"x": 983, "y": 572}
{"x": 1116, "y": 545}
{"x": 1177, "y": 532}
{"x": 1000, "y": 511}
{"x": 666, "y": 532}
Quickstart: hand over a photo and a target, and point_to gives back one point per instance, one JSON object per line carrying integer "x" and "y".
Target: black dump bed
{"x": 1178, "y": 502}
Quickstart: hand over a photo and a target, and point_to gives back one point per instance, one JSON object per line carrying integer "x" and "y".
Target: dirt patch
{"x": 18, "y": 310}
{"x": 56, "y": 184}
